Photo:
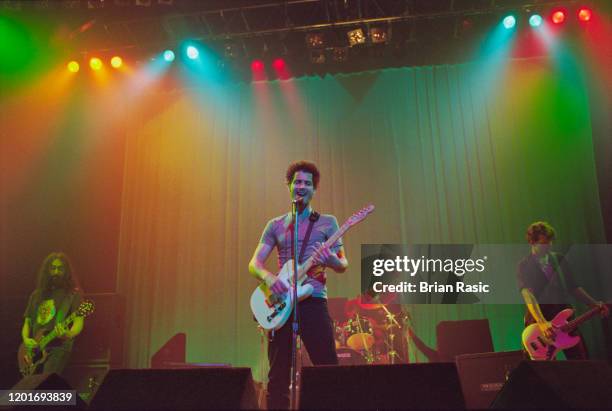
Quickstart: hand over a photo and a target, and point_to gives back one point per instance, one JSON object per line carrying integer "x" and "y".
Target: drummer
{"x": 374, "y": 313}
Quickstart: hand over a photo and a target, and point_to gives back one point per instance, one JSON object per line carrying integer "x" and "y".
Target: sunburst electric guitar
{"x": 537, "y": 347}
{"x": 272, "y": 311}
{"x": 29, "y": 359}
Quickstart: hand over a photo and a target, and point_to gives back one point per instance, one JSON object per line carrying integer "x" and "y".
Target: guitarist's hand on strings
{"x": 277, "y": 285}
{"x": 547, "y": 330}
{"x": 61, "y": 330}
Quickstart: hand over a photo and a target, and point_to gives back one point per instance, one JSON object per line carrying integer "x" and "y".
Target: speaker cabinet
{"x": 557, "y": 385}
{"x": 401, "y": 386}
{"x": 175, "y": 389}
{"x": 101, "y": 340}
{"x": 483, "y": 375}
{"x": 462, "y": 337}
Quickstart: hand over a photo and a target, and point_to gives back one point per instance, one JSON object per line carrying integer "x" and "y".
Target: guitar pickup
{"x": 277, "y": 311}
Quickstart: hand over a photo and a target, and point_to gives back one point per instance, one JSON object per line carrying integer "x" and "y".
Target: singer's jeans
{"x": 317, "y": 334}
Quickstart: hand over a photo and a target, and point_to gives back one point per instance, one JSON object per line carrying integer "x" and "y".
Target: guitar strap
{"x": 62, "y": 310}
{"x": 557, "y": 266}
{"x": 313, "y": 218}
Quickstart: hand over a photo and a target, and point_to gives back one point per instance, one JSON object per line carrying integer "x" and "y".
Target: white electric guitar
{"x": 537, "y": 347}
{"x": 272, "y": 311}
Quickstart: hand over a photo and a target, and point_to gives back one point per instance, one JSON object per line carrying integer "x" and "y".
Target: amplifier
{"x": 483, "y": 375}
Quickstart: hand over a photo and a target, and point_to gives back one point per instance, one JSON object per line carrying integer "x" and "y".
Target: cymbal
{"x": 367, "y": 306}
{"x": 374, "y": 303}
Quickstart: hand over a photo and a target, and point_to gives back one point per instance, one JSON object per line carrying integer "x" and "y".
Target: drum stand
{"x": 391, "y": 323}
{"x": 369, "y": 357}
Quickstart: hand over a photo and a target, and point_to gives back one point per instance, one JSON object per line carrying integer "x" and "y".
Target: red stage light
{"x": 257, "y": 65}
{"x": 558, "y": 17}
{"x": 584, "y": 14}
{"x": 278, "y": 64}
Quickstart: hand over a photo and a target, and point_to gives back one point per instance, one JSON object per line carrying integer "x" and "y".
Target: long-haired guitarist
{"x": 56, "y": 296}
{"x": 315, "y": 324}
{"x": 545, "y": 276}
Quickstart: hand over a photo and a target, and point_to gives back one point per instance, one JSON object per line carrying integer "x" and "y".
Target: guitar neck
{"x": 52, "y": 335}
{"x": 329, "y": 243}
{"x": 571, "y": 325}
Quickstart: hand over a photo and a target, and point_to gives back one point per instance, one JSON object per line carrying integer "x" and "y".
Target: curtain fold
{"x": 444, "y": 159}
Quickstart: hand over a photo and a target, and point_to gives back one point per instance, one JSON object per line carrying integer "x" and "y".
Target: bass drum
{"x": 347, "y": 356}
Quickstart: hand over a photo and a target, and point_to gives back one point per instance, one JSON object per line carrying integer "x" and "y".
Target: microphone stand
{"x": 295, "y": 325}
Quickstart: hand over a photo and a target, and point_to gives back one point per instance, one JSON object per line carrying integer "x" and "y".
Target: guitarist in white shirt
{"x": 315, "y": 324}
{"x": 545, "y": 276}
{"x": 56, "y": 296}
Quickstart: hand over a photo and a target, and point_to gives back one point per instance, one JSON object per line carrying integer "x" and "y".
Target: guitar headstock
{"x": 360, "y": 215}
{"x": 85, "y": 309}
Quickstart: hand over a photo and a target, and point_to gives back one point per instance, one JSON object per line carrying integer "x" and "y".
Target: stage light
{"x": 169, "y": 55}
{"x": 584, "y": 14}
{"x": 535, "y": 20}
{"x": 509, "y": 21}
{"x": 340, "y": 54}
{"x": 192, "y": 52}
{"x": 356, "y": 37}
{"x": 73, "y": 67}
{"x": 116, "y": 62}
{"x": 95, "y": 63}
{"x": 278, "y": 64}
{"x": 257, "y": 65}
{"x": 315, "y": 40}
{"x": 558, "y": 17}
{"x": 378, "y": 35}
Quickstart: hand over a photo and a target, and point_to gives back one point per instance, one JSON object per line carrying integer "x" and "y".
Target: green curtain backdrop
{"x": 445, "y": 155}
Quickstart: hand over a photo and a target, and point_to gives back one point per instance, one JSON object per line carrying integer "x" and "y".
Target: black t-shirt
{"x": 552, "y": 290}
{"x": 46, "y": 311}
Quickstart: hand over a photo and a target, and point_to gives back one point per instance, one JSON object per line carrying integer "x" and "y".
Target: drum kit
{"x": 371, "y": 334}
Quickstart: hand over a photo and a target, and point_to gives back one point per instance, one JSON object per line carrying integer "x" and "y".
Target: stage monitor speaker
{"x": 47, "y": 381}
{"x": 400, "y": 386}
{"x": 172, "y": 352}
{"x": 180, "y": 389}
{"x": 462, "y": 337}
{"x": 483, "y": 375}
{"x": 557, "y": 385}
{"x": 85, "y": 377}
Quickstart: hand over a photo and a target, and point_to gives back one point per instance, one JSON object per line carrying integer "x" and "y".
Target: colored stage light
{"x": 257, "y": 65}
{"x": 379, "y": 35}
{"x": 73, "y": 67}
{"x": 509, "y": 22}
{"x": 192, "y": 52}
{"x": 278, "y": 64}
{"x": 558, "y": 17}
{"x": 169, "y": 55}
{"x": 584, "y": 14}
{"x": 315, "y": 40}
{"x": 116, "y": 62}
{"x": 95, "y": 63}
{"x": 356, "y": 37}
{"x": 535, "y": 20}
